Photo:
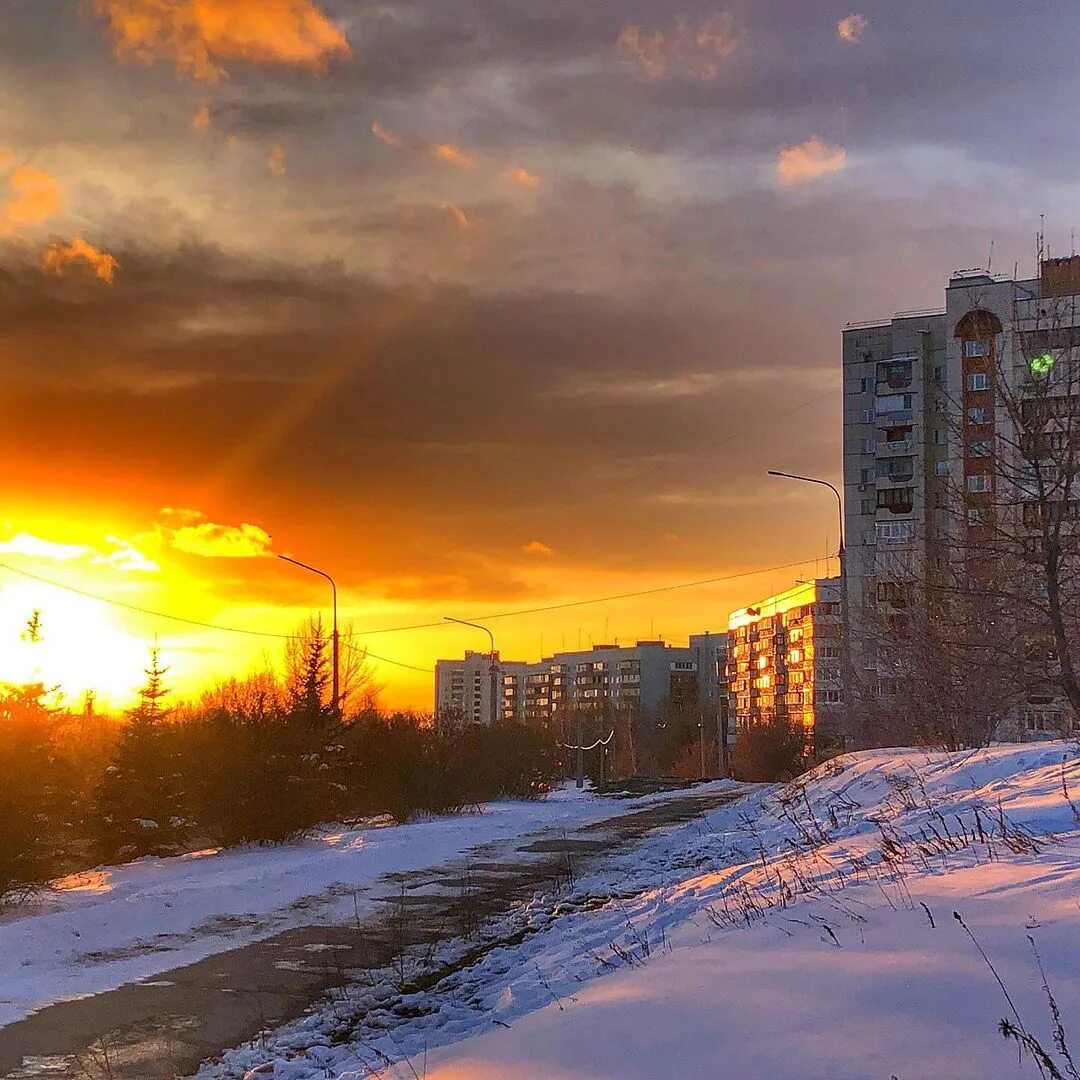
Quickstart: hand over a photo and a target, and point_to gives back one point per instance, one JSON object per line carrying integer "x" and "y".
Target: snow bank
{"x": 118, "y": 924}
{"x": 806, "y": 932}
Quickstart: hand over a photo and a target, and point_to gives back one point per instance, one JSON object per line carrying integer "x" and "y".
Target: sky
{"x": 483, "y": 308}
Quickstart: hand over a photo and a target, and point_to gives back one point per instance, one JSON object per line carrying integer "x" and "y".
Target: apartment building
{"x": 783, "y": 661}
{"x": 463, "y": 688}
{"x": 926, "y": 427}
{"x": 645, "y": 678}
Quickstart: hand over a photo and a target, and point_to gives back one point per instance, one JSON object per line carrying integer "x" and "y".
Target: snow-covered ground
{"x": 98, "y": 930}
{"x": 806, "y": 932}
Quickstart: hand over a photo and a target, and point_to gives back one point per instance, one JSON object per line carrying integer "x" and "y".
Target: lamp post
{"x": 336, "y": 691}
{"x": 847, "y": 681}
{"x": 492, "y": 670}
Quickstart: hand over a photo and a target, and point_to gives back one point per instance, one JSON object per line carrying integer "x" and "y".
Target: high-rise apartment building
{"x": 784, "y": 661}
{"x": 935, "y": 404}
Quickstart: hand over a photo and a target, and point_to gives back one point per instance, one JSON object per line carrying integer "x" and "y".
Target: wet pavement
{"x": 165, "y": 1026}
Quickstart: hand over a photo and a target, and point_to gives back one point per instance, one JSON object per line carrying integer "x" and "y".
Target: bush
{"x": 769, "y": 752}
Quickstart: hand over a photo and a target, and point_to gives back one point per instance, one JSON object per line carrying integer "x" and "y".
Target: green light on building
{"x": 1041, "y": 365}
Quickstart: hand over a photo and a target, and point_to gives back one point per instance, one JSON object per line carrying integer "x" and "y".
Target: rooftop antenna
{"x": 990, "y": 259}
{"x": 1040, "y": 242}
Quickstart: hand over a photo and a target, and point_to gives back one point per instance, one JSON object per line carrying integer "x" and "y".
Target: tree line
{"x": 260, "y": 759}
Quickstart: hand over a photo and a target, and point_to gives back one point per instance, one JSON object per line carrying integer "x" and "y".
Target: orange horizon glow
{"x": 187, "y": 566}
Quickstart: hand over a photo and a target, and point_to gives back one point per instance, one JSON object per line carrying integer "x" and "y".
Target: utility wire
{"x": 596, "y": 600}
{"x": 414, "y": 626}
{"x": 189, "y": 622}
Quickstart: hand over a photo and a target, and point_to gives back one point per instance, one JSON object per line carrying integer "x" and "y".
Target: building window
{"x": 869, "y": 446}
{"x": 978, "y": 482}
{"x": 939, "y": 373}
{"x": 977, "y": 348}
{"x": 895, "y": 530}
{"x": 941, "y": 468}
{"x": 980, "y": 448}
{"x": 890, "y": 403}
{"x": 978, "y": 380}
{"x": 898, "y": 500}
{"x": 978, "y": 516}
{"x": 977, "y": 415}
{"x": 868, "y": 416}
{"x": 866, "y": 384}
{"x": 866, "y": 506}
{"x": 940, "y": 437}
{"x": 867, "y": 476}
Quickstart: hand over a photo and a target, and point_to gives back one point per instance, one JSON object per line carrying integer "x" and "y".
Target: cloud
{"x": 459, "y": 216}
{"x": 453, "y": 155}
{"x": 199, "y": 36}
{"x": 522, "y": 176}
{"x": 33, "y": 197}
{"x": 60, "y": 256}
{"x": 123, "y": 554}
{"x": 275, "y": 161}
{"x": 695, "y": 48}
{"x": 808, "y": 161}
{"x": 449, "y": 153}
{"x": 851, "y": 28}
{"x": 536, "y": 547}
{"x": 202, "y": 119}
{"x": 35, "y": 547}
{"x": 391, "y": 138}
{"x": 212, "y": 541}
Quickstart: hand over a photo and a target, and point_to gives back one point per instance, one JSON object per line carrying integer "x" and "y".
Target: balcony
{"x": 896, "y": 446}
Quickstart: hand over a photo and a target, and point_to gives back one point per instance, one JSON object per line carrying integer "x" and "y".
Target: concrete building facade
{"x": 932, "y": 454}
{"x": 784, "y": 661}
{"x": 645, "y": 678}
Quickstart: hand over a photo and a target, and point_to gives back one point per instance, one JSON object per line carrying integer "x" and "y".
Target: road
{"x": 166, "y": 1026}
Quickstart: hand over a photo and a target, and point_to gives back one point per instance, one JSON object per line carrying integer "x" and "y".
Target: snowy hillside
{"x": 805, "y": 932}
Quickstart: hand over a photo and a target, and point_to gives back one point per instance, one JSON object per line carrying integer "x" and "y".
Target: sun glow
{"x": 81, "y": 647}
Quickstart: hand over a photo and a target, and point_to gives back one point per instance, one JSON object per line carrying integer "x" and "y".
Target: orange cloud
{"x": 391, "y": 138}
{"x": 453, "y": 155}
{"x": 212, "y": 541}
{"x": 202, "y": 118}
{"x": 808, "y": 161}
{"x": 852, "y": 27}
{"x": 199, "y": 36}
{"x": 459, "y": 216}
{"x": 33, "y": 196}
{"x": 60, "y": 256}
{"x": 522, "y": 176}
{"x": 698, "y": 48}
{"x": 449, "y": 153}
{"x": 536, "y": 547}
{"x": 275, "y": 161}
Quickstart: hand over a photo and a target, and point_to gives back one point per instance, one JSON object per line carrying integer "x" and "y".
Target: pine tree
{"x": 140, "y": 803}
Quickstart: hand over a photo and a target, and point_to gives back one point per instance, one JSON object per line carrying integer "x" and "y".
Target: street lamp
{"x": 492, "y": 670}
{"x": 335, "y": 700}
{"x": 847, "y": 681}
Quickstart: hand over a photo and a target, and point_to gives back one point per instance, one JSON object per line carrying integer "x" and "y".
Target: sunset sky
{"x": 481, "y": 306}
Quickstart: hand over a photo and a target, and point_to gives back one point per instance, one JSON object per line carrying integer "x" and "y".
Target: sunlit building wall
{"x": 784, "y": 660}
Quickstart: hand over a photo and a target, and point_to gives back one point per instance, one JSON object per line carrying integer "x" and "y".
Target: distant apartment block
{"x": 463, "y": 688}
{"x": 784, "y": 661}
{"x": 645, "y": 679}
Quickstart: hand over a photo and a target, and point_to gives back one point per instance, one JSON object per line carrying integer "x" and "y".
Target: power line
{"x": 597, "y": 600}
{"x": 187, "y": 622}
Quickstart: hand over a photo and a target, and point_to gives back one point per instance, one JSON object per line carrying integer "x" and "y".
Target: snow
{"x": 100, "y": 929}
{"x": 805, "y": 932}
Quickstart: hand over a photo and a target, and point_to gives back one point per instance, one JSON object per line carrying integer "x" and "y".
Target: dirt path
{"x": 165, "y": 1026}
